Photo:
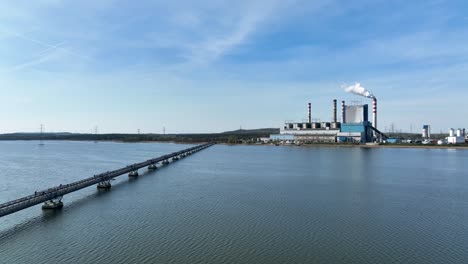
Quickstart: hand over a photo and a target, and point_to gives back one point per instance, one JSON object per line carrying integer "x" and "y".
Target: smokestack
{"x": 374, "y": 112}
{"x": 309, "y": 115}
{"x": 334, "y": 110}
{"x": 343, "y": 115}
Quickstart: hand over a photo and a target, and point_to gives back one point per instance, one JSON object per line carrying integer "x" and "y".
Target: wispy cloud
{"x": 217, "y": 45}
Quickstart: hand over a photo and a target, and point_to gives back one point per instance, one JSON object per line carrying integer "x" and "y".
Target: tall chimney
{"x": 334, "y": 110}
{"x": 374, "y": 112}
{"x": 309, "y": 115}
{"x": 343, "y": 115}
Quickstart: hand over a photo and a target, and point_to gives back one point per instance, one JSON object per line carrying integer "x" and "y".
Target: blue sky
{"x": 211, "y": 66}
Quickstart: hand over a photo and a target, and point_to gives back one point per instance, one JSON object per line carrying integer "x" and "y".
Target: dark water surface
{"x": 241, "y": 204}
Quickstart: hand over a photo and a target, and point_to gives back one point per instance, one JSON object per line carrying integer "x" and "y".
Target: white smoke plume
{"x": 359, "y": 90}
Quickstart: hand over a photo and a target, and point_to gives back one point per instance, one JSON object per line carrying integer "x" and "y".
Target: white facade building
{"x": 456, "y": 137}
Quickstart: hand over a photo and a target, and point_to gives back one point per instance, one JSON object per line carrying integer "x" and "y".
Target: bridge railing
{"x": 62, "y": 189}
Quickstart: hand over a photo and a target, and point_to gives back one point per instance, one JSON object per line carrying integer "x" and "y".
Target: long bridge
{"x": 52, "y": 197}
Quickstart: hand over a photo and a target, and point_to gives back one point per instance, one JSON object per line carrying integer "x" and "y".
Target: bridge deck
{"x": 58, "y": 191}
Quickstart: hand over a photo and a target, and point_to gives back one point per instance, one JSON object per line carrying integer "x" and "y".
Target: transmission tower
{"x": 41, "y": 143}
{"x": 95, "y": 134}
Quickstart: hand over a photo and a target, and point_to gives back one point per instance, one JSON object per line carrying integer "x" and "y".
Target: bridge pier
{"x": 55, "y": 203}
{"x": 104, "y": 185}
{"x": 133, "y": 174}
{"x": 152, "y": 167}
{"x": 175, "y": 158}
{"x": 165, "y": 162}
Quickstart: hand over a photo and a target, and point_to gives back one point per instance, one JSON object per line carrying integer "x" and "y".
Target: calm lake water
{"x": 239, "y": 204}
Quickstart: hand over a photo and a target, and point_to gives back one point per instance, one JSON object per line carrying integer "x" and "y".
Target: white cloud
{"x": 216, "y": 45}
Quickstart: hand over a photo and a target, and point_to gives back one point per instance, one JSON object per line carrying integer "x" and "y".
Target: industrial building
{"x": 426, "y": 131}
{"x": 457, "y": 137}
{"x": 354, "y": 126}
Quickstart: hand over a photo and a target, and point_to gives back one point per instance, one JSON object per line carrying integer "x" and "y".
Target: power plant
{"x": 354, "y": 126}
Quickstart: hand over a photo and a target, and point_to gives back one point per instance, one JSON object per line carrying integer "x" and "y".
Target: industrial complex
{"x": 354, "y": 126}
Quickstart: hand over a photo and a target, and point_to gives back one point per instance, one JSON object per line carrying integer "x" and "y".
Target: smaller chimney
{"x": 334, "y": 111}
{"x": 309, "y": 115}
{"x": 374, "y": 112}
{"x": 343, "y": 114}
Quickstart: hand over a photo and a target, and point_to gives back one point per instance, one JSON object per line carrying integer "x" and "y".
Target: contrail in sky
{"x": 43, "y": 56}
{"x": 38, "y": 42}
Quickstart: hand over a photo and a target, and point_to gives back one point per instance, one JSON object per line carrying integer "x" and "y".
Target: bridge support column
{"x": 175, "y": 158}
{"x": 133, "y": 174}
{"x": 104, "y": 185}
{"x": 165, "y": 162}
{"x": 152, "y": 167}
{"x": 55, "y": 203}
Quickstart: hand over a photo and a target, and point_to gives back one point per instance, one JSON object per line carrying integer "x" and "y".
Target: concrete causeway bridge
{"x": 52, "y": 197}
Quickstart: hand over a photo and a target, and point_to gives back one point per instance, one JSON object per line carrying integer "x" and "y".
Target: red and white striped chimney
{"x": 309, "y": 114}
{"x": 343, "y": 115}
{"x": 374, "y": 112}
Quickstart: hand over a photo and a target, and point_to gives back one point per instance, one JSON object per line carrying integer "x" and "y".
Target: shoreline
{"x": 392, "y": 146}
{"x": 327, "y": 145}
{"x": 113, "y": 140}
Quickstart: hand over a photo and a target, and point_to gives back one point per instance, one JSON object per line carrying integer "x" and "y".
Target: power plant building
{"x": 356, "y": 114}
{"x": 355, "y": 126}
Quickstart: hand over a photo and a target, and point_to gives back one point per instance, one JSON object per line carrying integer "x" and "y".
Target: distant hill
{"x": 228, "y": 136}
{"x": 38, "y": 134}
{"x": 262, "y": 131}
